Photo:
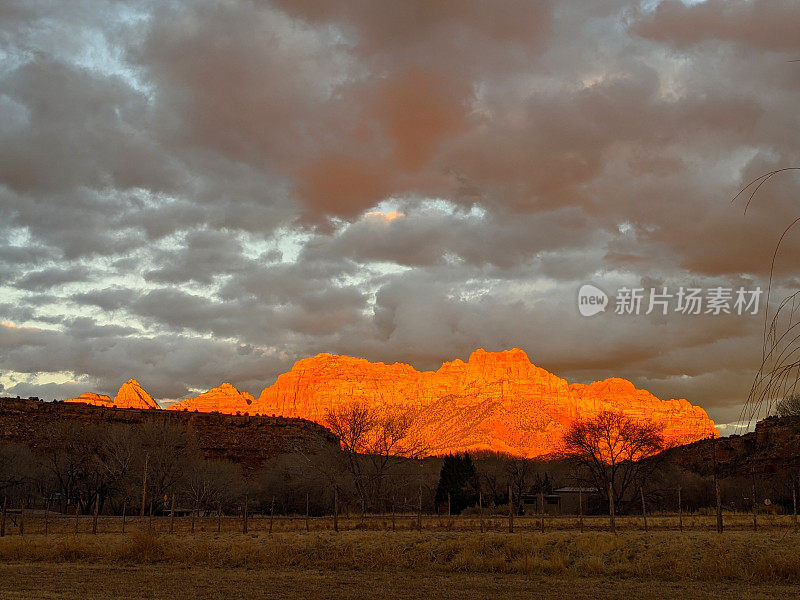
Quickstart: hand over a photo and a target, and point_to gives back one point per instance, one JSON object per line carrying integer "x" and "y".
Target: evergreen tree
{"x": 459, "y": 478}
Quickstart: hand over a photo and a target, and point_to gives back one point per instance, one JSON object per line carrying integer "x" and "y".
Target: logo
{"x": 591, "y": 300}
{"x": 686, "y": 301}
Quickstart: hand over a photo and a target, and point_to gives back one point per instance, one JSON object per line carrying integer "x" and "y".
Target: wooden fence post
{"x": 94, "y": 514}
{"x": 680, "y": 511}
{"x": 144, "y": 483}
{"x": 76, "y": 519}
{"x": 541, "y": 513}
{"x": 644, "y": 508}
{"x": 419, "y": 511}
{"x": 271, "y": 514}
{"x": 124, "y": 507}
{"x": 244, "y": 515}
{"x": 611, "y": 507}
{"x": 22, "y": 520}
{"x": 308, "y": 524}
{"x": 394, "y": 524}
{"x": 336, "y": 508}
{"x": 755, "y": 502}
{"x": 580, "y": 508}
{"x": 480, "y": 508}
{"x": 194, "y": 510}
{"x": 47, "y": 519}
{"x": 3, "y": 517}
{"x": 720, "y": 525}
{"x": 219, "y": 516}
{"x": 510, "y": 511}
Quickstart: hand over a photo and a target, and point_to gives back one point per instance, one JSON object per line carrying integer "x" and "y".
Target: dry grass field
{"x": 448, "y": 558}
{"x": 165, "y": 582}
{"x": 35, "y": 523}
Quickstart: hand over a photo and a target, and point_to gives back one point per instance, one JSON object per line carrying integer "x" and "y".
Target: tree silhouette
{"x": 459, "y": 479}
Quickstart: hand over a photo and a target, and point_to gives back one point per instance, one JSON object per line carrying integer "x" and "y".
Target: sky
{"x": 197, "y": 192}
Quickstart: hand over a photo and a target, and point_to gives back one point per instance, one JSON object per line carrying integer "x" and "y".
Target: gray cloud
{"x": 192, "y": 192}
{"x": 762, "y": 24}
{"x": 45, "y": 279}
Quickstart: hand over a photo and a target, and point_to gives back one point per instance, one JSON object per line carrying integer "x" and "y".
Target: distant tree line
{"x": 379, "y": 467}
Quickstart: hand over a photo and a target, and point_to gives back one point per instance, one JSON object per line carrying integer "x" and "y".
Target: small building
{"x": 577, "y": 499}
{"x": 533, "y": 503}
{"x": 561, "y": 501}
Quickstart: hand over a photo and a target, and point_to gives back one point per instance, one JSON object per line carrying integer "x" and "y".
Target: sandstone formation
{"x": 495, "y": 401}
{"x": 224, "y": 398}
{"x": 130, "y": 395}
{"x": 93, "y": 399}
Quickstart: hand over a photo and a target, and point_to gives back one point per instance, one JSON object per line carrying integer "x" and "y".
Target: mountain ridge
{"x": 496, "y": 401}
{"x": 130, "y": 395}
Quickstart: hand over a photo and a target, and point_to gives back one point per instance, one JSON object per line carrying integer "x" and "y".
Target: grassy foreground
{"x": 44, "y": 581}
{"x": 765, "y": 557}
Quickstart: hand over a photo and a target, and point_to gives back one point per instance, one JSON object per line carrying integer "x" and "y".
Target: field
{"x": 36, "y": 522}
{"x": 366, "y": 559}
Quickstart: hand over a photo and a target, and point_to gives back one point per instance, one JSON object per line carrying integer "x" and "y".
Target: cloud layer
{"x": 193, "y": 192}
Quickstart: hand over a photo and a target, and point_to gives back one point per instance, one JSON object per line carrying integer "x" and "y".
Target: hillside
{"x": 773, "y": 447}
{"x": 247, "y": 440}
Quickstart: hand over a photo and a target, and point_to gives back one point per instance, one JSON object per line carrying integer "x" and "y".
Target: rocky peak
{"x": 92, "y": 398}
{"x": 132, "y": 395}
{"x": 224, "y": 398}
{"x": 515, "y": 355}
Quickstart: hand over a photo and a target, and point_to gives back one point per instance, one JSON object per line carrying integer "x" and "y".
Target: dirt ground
{"x": 157, "y": 582}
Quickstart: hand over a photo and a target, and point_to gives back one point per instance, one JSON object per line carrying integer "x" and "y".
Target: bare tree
{"x": 17, "y": 470}
{"x": 520, "y": 474}
{"x": 69, "y": 462}
{"x": 494, "y": 475}
{"x": 115, "y": 458}
{"x": 294, "y": 478}
{"x": 209, "y": 485}
{"x": 170, "y": 449}
{"x": 610, "y": 448}
{"x": 372, "y": 442}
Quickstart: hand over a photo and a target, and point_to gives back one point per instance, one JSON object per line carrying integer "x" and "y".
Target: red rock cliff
{"x": 130, "y": 395}
{"x": 224, "y": 398}
{"x": 496, "y": 401}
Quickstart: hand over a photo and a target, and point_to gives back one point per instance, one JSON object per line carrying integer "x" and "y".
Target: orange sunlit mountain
{"x": 224, "y": 398}
{"x": 496, "y": 401}
{"x": 130, "y": 395}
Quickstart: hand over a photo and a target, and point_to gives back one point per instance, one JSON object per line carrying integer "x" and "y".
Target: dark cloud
{"x": 201, "y": 257}
{"x": 108, "y": 299}
{"x": 23, "y": 255}
{"x": 45, "y": 279}
{"x": 193, "y": 192}
{"x": 86, "y": 328}
{"x": 440, "y": 235}
{"x": 763, "y": 24}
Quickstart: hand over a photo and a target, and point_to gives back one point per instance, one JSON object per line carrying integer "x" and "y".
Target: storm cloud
{"x": 193, "y": 192}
